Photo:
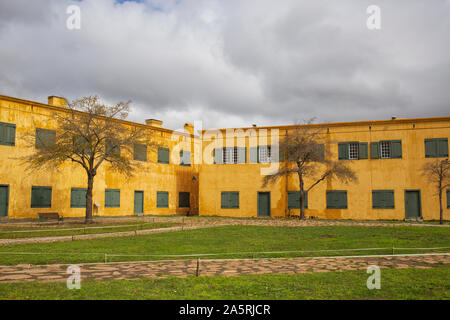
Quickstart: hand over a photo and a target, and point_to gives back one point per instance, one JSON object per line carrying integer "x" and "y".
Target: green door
{"x": 139, "y": 202}
{"x": 263, "y": 204}
{"x": 4, "y": 195}
{"x": 412, "y": 204}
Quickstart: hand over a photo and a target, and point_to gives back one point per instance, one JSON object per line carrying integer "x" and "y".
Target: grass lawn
{"x": 395, "y": 284}
{"x": 229, "y": 239}
{"x": 6, "y": 232}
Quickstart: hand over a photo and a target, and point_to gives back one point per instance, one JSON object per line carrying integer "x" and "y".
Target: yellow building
{"x": 224, "y": 174}
{"x": 163, "y": 186}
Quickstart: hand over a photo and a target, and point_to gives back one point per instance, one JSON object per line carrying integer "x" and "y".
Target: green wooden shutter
{"x": 112, "y": 148}
{"x": 45, "y": 138}
{"x": 254, "y": 153}
{"x": 376, "y": 200}
{"x": 430, "y": 148}
{"x": 396, "y": 149}
{"x": 112, "y": 198}
{"x": 363, "y": 150}
{"x": 241, "y": 155}
{"x": 321, "y": 150}
{"x": 294, "y": 200}
{"x": 336, "y": 199}
{"x": 162, "y": 199}
{"x": 374, "y": 150}
{"x": 224, "y": 200}
{"x": 389, "y": 202}
{"x": 140, "y": 152}
{"x": 218, "y": 155}
{"x": 7, "y": 134}
{"x": 443, "y": 147}
{"x": 448, "y": 199}
{"x": 41, "y": 197}
{"x": 234, "y": 200}
{"x": 78, "y": 198}
{"x": 163, "y": 155}
{"x": 343, "y": 151}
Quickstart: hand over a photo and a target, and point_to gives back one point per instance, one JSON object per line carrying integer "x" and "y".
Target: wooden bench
{"x": 44, "y": 216}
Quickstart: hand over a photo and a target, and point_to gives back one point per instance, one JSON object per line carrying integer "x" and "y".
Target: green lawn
{"x": 7, "y": 232}
{"x": 229, "y": 239}
{"x": 395, "y": 284}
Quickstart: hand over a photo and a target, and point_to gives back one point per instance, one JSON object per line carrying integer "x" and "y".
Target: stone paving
{"x": 185, "y": 268}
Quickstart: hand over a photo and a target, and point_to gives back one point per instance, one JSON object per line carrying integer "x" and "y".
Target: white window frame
{"x": 353, "y": 151}
{"x": 385, "y": 150}
{"x": 230, "y": 155}
{"x": 265, "y": 154}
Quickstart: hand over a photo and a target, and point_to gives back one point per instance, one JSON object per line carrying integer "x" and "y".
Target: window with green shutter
{"x": 7, "y": 134}
{"x": 162, "y": 199}
{"x": 386, "y": 149}
{"x": 140, "y": 152}
{"x": 185, "y": 158}
{"x": 383, "y": 199}
{"x": 294, "y": 200}
{"x": 45, "y": 138}
{"x": 184, "y": 200}
{"x": 41, "y": 197}
{"x": 78, "y": 197}
{"x": 112, "y": 148}
{"x": 229, "y": 200}
{"x": 112, "y": 198}
{"x": 436, "y": 148}
{"x": 352, "y": 150}
{"x": 337, "y": 199}
{"x": 163, "y": 155}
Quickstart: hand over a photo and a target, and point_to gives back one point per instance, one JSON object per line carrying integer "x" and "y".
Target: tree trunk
{"x": 302, "y": 196}
{"x": 441, "y": 214}
{"x": 88, "y": 218}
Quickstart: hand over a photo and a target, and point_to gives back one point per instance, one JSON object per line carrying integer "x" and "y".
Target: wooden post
{"x": 106, "y": 257}
{"x": 197, "y": 272}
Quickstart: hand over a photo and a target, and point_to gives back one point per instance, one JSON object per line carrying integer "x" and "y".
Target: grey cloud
{"x": 233, "y": 63}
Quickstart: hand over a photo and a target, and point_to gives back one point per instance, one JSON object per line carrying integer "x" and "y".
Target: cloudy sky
{"x": 233, "y": 62}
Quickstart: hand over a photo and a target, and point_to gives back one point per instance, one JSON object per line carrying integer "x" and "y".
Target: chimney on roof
{"x": 154, "y": 123}
{"x": 57, "y": 101}
{"x": 189, "y": 128}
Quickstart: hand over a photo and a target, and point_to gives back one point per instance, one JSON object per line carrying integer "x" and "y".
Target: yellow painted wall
{"x": 373, "y": 174}
{"x": 211, "y": 179}
{"x": 153, "y": 177}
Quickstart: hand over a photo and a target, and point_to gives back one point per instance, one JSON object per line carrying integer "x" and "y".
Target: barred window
{"x": 230, "y": 155}
{"x": 265, "y": 154}
{"x": 353, "y": 151}
{"x": 385, "y": 147}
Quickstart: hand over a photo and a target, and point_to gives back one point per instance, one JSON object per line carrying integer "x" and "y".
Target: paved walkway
{"x": 163, "y": 269}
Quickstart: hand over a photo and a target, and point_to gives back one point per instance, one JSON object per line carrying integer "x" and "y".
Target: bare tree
{"x": 438, "y": 173}
{"x": 89, "y": 133}
{"x": 307, "y": 157}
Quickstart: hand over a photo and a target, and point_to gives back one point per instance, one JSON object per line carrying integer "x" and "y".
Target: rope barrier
{"x": 72, "y": 229}
{"x": 210, "y": 254}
